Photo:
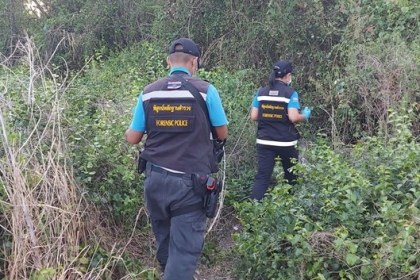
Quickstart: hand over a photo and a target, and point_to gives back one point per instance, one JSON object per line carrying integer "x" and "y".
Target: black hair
{"x": 272, "y": 78}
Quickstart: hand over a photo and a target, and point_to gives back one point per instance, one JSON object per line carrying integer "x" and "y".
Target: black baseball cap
{"x": 188, "y": 46}
{"x": 282, "y": 67}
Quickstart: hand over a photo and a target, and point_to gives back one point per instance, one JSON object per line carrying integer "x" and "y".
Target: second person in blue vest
{"x": 276, "y": 108}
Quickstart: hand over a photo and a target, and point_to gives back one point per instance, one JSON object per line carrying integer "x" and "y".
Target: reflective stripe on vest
{"x": 277, "y": 143}
{"x": 273, "y": 98}
{"x": 170, "y": 95}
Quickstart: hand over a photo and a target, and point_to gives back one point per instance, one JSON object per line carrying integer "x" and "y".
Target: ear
{"x": 195, "y": 62}
{"x": 194, "y": 65}
{"x": 168, "y": 60}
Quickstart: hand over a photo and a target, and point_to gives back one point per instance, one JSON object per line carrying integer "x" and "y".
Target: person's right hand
{"x": 306, "y": 112}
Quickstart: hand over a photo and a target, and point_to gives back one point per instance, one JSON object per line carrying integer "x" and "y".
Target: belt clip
{"x": 211, "y": 183}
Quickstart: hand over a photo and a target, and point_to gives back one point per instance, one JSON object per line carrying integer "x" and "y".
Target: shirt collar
{"x": 179, "y": 69}
{"x": 281, "y": 82}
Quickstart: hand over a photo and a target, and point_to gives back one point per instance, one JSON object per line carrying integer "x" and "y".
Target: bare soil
{"x": 221, "y": 237}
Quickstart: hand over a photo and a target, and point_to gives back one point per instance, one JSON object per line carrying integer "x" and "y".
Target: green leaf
{"x": 352, "y": 259}
{"x": 396, "y": 252}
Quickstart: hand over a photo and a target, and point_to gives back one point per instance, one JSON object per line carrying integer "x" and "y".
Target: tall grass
{"x": 46, "y": 222}
{"x": 42, "y": 207}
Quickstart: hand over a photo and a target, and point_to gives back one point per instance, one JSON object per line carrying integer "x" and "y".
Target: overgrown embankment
{"x": 71, "y": 205}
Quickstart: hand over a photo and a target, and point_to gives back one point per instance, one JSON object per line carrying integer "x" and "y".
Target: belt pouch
{"x": 141, "y": 164}
{"x": 212, "y": 198}
{"x": 200, "y": 183}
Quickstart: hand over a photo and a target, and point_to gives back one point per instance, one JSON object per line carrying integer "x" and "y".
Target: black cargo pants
{"x": 266, "y": 160}
{"x": 179, "y": 239}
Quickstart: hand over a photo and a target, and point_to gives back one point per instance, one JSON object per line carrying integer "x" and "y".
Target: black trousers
{"x": 266, "y": 160}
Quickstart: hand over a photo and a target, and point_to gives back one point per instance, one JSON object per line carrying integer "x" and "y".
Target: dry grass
{"x": 43, "y": 211}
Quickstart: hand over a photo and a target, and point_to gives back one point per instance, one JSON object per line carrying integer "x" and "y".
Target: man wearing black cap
{"x": 276, "y": 108}
{"x": 178, "y": 144}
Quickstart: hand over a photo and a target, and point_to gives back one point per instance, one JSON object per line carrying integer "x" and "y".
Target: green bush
{"x": 353, "y": 215}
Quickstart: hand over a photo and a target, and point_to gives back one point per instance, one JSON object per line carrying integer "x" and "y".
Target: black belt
{"x": 160, "y": 170}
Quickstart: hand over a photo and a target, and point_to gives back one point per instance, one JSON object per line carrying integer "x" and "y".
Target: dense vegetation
{"x": 71, "y": 205}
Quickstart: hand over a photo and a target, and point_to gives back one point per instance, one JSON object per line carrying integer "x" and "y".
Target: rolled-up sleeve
{"x": 139, "y": 120}
{"x": 214, "y": 104}
{"x": 294, "y": 101}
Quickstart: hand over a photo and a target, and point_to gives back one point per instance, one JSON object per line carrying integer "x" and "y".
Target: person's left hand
{"x": 306, "y": 112}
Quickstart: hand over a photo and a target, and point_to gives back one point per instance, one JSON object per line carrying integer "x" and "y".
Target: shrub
{"x": 353, "y": 215}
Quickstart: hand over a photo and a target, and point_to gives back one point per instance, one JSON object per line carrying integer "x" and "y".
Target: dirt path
{"x": 222, "y": 245}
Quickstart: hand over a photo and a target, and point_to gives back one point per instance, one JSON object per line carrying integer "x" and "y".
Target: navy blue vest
{"x": 274, "y": 126}
{"x": 178, "y": 132}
